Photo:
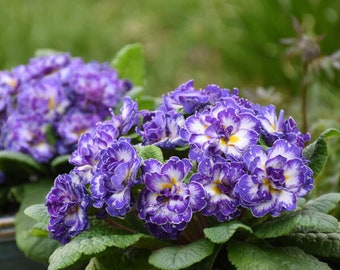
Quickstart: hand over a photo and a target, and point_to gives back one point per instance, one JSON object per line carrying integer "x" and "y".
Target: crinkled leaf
{"x": 35, "y": 246}
{"x": 317, "y": 152}
{"x": 324, "y": 203}
{"x": 303, "y": 220}
{"x": 246, "y": 256}
{"x": 89, "y": 244}
{"x": 130, "y": 259}
{"x": 179, "y": 257}
{"x": 223, "y": 232}
{"x": 38, "y": 212}
{"x": 320, "y": 244}
{"x": 19, "y": 167}
{"x": 330, "y": 133}
{"x": 150, "y": 151}
{"x": 129, "y": 62}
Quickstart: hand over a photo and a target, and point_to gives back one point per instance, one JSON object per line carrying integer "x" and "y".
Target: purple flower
{"x": 8, "y": 86}
{"x": 162, "y": 128}
{"x": 98, "y": 86}
{"x": 167, "y": 203}
{"x": 39, "y": 67}
{"x": 90, "y": 144}
{"x": 27, "y": 134}
{"x": 275, "y": 128}
{"x": 71, "y": 126}
{"x": 225, "y": 129}
{"x": 67, "y": 204}
{"x": 185, "y": 98}
{"x": 115, "y": 175}
{"x": 275, "y": 179}
{"x": 46, "y": 97}
{"x": 219, "y": 178}
{"x": 128, "y": 116}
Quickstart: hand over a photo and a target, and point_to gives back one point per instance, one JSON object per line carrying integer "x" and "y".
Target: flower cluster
{"x": 48, "y": 103}
{"x": 223, "y": 154}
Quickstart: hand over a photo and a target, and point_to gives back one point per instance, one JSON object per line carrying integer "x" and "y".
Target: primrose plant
{"x": 208, "y": 179}
{"x": 45, "y": 105}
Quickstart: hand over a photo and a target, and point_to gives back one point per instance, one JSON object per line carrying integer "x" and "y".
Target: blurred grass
{"x": 233, "y": 43}
{"x": 228, "y": 42}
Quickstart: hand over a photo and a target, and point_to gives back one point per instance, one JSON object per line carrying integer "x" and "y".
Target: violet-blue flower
{"x": 115, "y": 175}
{"x": 127, "y": 117}
{"x": 276, "y": 177}
{"x": 167, "y": 203}
{"x": 67, "y": 204}
{"x": 27, "y": 134}
{"x": 185, "y": 98}
{"x": 71, "y": 126}
{"x": 225, "y": 129}
{"x": 86, "y": 156}
{"x": 219, "y": 177}
{"x": 46, "y": 97}
{"x": 98, "y": 85}
{"x": 277, "y": 127}
{"x": 161, "y": 128}
{"x": 42, "y": 66}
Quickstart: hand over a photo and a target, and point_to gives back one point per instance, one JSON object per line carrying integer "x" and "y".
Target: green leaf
{"x": 150, "y": 151}
{"x": 34, "y": 246}
{"x": 223, "y": 232}
{"x": 38, "y": 212}
{"x": 179, "y": 257}
{"x": 19, "y": 167}
{"x": 129, "y": 259}
{"x": 129, "y": 62}
{"x": 320, "y": 244}
{"x": 303, "y": 220}
{"x": 249, "y": 257}
{"x": 45, "y": 52}
{"x": 317, "y": 153}
{"x": 330, "y": 133}
{"x": 324, "y": 203}
{"x": 91, "y": 243}
{"x": 60, "y": 164}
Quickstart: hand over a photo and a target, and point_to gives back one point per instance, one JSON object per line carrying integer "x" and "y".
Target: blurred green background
{"x": 233, "y": 43}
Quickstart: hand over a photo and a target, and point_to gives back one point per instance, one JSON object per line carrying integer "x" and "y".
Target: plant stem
{"x": 119, "y": 226}
{"x": 304, "y": 88}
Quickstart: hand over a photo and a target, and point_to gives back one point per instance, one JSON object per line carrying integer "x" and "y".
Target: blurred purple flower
{"x": 27, "y": 134}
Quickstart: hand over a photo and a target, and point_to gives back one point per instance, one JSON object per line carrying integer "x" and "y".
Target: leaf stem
{"x": 304, "y": 88}
{"x": 119, "y": 226}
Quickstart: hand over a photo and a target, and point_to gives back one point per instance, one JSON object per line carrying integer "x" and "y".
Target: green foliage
{"x": 130, "y": 259}
{"x": 326, "y": 245}
{"x": 19, "y": 167}
{"x": 223, "y": 232}
{"x": 89, "y": 243}
{"x": 247, "y": 256}
{"x": 180, "y": 257}
{"x": 60, "y": 164}
{"x": 150, "y": 151}
{"x": 129, "y": 62}
{"x": 324, "y": 203}
{"x": 302, "y": 220}
{"x": 37, "y": 247}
